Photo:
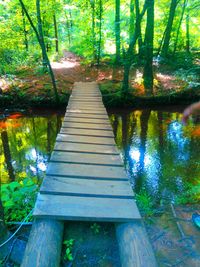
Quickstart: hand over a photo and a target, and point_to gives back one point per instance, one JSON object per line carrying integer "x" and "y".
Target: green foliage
{"x": 191, "y": 194}
{"x": 68, "y": 249}
{"x": 95, "y": 228}
{"x": 18, "y": 199}
{"x": 145, "y": 202}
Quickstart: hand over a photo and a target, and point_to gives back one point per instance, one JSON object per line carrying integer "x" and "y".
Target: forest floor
{"x": 34, "y": 87}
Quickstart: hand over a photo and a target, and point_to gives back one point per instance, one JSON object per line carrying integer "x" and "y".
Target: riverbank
{"x": 30, "y": 87}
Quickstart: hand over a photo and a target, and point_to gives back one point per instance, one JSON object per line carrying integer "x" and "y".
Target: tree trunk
{"x": 149, "y": 36}
{"x": 140, "y": 42}
{"x": 165, "y": 48}
{"x": 93, "y": 30}
{"x": 179, "y": 26}
{"x": 188, "y": 33}
{"x": 117, "y": 30}
{"x": 25, "y": 31}
{"x": 129, "y": 55}
{"x": 42, "y": 45}
{"x": 56, "y": 32}
{"x": 7, "y": 155}
{"x": 100, "y": 32}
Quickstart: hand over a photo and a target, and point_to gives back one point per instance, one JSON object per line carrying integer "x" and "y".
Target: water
{"x": 26, "y": 143}
{"x": 161, "y": 155}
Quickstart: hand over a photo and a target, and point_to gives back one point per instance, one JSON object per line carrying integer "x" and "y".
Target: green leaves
{"x": 18, "y": 199}
{"x": 68, "y": 249}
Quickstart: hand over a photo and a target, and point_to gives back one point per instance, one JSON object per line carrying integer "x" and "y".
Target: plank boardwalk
{"x": 85, "y": 179}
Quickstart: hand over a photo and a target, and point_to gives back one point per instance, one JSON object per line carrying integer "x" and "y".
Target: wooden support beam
{"x": 134, "y": 246}
{"x": 44, "y": 244}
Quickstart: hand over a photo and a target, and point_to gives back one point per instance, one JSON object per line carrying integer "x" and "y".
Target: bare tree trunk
{"x": 100, "y": 32}
{"x": 40, "y": 39}
{"x": 149, "y": 36}
{"x": 56, "y": 32}
{"x": 188, "y": 33}
{"x": 165, "y": 48}
{"x": 179, "y": 26}
{"x": 117, "y": 30}
{"x": 92, "y": 3}
{"x": 24, "y": 30}
{"x": 129, "y": 54}
{"x": 140, "y": 42}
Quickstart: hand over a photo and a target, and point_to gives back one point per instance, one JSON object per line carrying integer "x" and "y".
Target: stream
{"x": 161, "y": 157}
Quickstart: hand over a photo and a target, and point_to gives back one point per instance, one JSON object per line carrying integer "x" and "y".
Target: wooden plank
{"x": 86, "y": 158}
{"x": 87, "y": 120}
{"x": 86, "y": 208}
{"x": 84, "y": 139}
{"x": 85, "y": 171}
{"x": 88, "y": 106}
{"x": 86, "y": 115}
{"x": 71, "y": 186}
{"x": 79, "y": 125}
{"x": 84, "y": 111}
{"x": 86, "y": 100}
{"x": 86, "y": 148}
{"x": 87, "y": 132}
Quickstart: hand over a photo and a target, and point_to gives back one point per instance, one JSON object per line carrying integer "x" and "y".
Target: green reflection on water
{"x": 25, "y": 146}
{"x": 160, "y": 155}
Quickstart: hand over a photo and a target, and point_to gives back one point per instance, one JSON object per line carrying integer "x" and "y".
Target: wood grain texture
{"x": 71, "y": 186}
{"x": 86, "y": 148}
{"x": 85, "y": 139}
{"x": 87, "y": 132}
{"x": 44, "y": 245}
{"x": 86, "y": 158}
{"x": 86, "y": 126}
{"x": 86, "y": 208}
{"x": 87, "y": 120}
{"x": 134, "y": 245}
{"x": 86, "y": 171}
{"x": 86, "y": 115}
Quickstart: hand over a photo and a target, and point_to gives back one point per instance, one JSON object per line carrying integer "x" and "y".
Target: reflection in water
{"x": 25, "y": 146}
{"x": 160, "y": 154}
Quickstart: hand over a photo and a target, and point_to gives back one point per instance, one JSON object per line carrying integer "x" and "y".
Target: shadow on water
{"x": 161, "y": 157}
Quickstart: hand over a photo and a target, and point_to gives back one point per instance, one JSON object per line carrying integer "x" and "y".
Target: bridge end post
{"x": 44, "y": 245}
{"x": 134, "y": 245}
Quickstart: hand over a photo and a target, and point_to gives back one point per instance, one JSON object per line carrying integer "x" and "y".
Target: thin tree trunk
{"x": 47, "y": 62}
{"x": 24, "y": 30}
{"x": 100, "y": 32}
{"x": 129, "y": 54}
{"x": 149, "y": 36}
{"x": 55, "y": 32}
{"x": 40, "y": 39}
{"x": 132, "y": 20}
{"x": 179, "y": 26}
{"x": 117, "y": 30}
{"x": 7, "y": 155}
{"x": 93, "y": 30}
{"x": 188, "y": 33}
{"x": 165, "y": 48}
{"x": 140, "y": 42}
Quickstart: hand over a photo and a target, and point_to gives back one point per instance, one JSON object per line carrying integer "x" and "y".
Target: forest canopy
{"x": 119, "y": 32}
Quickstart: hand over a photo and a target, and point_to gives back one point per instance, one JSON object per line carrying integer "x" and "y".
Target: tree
{"x": 149, "y": 36}
{"x": 117, "y": 30}
{"x": 40, "y": 38}
{"x": 128, "y": 56}
{"x": 167, "y": 33}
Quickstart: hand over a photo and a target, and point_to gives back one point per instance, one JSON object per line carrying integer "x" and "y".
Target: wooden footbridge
{"x": 86, "y": 181}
